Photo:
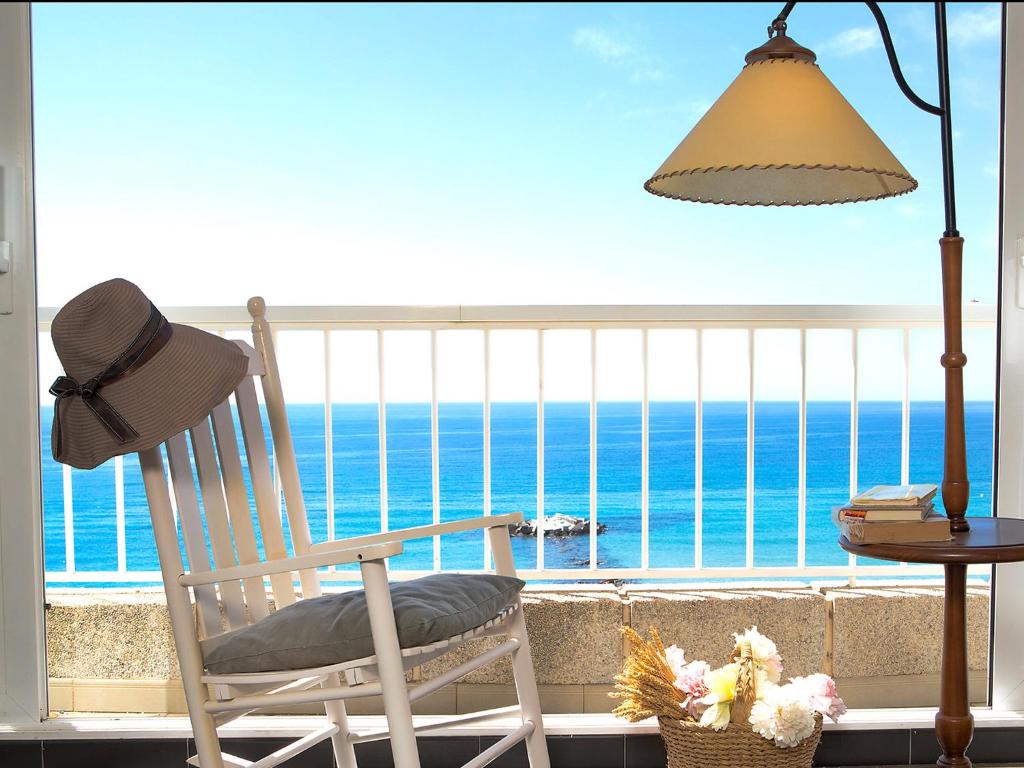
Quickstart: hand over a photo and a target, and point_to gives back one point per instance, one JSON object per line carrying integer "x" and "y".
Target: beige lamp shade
{"x": 781, "y": 134}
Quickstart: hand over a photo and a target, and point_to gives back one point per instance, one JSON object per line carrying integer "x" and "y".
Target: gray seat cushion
{"x": 335, "y": 628}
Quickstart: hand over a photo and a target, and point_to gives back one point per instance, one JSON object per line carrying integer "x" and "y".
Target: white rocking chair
{"x": 231, "y": 598}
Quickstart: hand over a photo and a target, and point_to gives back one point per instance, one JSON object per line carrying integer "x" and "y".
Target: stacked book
{"x": 893, "y": 514}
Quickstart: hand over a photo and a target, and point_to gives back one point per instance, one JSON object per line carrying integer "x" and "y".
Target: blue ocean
{"x": 566, "y": 479}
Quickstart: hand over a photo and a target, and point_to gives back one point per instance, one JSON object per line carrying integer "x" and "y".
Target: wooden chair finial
{"x": 257, "y": 307}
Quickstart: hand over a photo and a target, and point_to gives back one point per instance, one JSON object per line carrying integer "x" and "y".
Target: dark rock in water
{"x": 556, "y": 525}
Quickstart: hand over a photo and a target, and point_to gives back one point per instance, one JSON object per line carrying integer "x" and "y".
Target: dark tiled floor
{"x": 839, "y": 749}
{"x": 17, "y": 754}
{"x": 127, "y": 752}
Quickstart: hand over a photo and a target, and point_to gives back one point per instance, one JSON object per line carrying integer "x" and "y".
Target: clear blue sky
{"x": 479, "y": 154}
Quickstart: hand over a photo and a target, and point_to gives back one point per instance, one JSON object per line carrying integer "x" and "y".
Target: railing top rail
{"x": 582, "y": 316}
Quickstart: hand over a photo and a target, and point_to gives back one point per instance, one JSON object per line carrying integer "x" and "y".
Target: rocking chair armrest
{"x": 352, "y": 554}
{"x": 420, "y": 532}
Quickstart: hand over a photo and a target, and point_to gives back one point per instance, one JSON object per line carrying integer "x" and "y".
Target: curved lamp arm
{"x": 941, "y": 111}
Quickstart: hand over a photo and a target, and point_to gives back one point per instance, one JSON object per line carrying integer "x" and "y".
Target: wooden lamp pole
{"x": 954, "y": 724}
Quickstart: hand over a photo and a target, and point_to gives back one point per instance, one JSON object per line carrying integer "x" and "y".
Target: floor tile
{"x": 514, "y": 758}
{"x": 566, "y": 752}
{"x": 318, "y": 756}
{"x": 78, "y": 753}
{"x": 990, "y": 745}
{"x": 434, "y": 753}
{"x": 587, "y": 752}
{"x": 21, "y": 753}
{"x": 644, "y": 752}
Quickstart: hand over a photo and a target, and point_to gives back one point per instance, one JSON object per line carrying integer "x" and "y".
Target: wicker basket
{"x": 736, "y": 746}
{"x": 690, "y": 746}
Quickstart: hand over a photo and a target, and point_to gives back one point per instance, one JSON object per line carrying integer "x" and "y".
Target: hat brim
{"x": 193, "y": 373}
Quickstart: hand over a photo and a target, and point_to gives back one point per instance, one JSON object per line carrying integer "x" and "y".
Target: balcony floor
{"x": 866, "y": 739}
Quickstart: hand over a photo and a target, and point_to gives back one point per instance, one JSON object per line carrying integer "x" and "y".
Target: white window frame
{"x": 1006, "y": 669}
{"x": 22, "y": 629}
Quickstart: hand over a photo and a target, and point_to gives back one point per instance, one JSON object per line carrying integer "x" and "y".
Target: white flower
{"x": 784, "y": 715}
{"x": 721, "y": 685}
{"x": 820, "y": 690}
{"x": 766, "y": 655}
{"x": 676, "y": 659}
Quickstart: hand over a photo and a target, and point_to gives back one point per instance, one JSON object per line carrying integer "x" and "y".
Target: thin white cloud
{"x": 977, "y": 92}
{"x": 601, "y": 43}
{"x": 614, "y": 48}
{"x": 984, "y": 24}
{"x": 852, "y": 41}
{"x": 649, "y": 75}
{"x": 692, "y": 109}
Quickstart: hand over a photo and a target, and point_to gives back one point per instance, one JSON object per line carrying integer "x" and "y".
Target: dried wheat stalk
{"x": 647, "y": 684}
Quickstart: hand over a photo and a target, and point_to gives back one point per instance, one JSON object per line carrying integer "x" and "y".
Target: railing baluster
{"x": 540, "y": 449}
{"x": 645, "y": 440}
{"x": 435, "y": 453}
{"x": 328, "y": 440}
{"x": 382, "y": 434}
{"x": 854, "y": 427}
{"x": 69, "y": 520}
{"x": 487, "y": 441}
{"x": 750, "y": 449}
{"x": 593, "y": 449}
{"x": 905, "y": 422}
{"x": 278, "y": 488}
{"x": 122, "y": 551}
{"x": 174, "y": 501}
{"x": 801, "y": 494}
{"x": 698, "y": 450}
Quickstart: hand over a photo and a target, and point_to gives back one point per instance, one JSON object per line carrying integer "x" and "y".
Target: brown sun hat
{"x": 132, "y": 380}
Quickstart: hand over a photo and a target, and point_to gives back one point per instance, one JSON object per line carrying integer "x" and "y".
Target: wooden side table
{"x": 990, "y": 540}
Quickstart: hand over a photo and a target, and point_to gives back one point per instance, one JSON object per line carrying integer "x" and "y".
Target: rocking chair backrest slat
{"x": 263, "y": 488}
{"x": 192, "y": 531}
{"x": 238, "y": 507}
{"x": 216, "y": 514}
{"x": 284, "y": 450}
{"x": 224, "y": 524}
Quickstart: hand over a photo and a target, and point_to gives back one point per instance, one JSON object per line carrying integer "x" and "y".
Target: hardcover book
{"x": 885, "y": 514}
{"x": 935, "y": 527}
{"x": 895, "y": 496}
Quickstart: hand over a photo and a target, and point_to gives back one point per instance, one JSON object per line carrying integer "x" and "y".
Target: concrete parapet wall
{"x": 104, "y": 634}
{"x": 897, "y": 630}
{"x": 114, "y": 652}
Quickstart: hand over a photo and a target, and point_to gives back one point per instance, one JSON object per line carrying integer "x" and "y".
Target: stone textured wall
{"x": 897, "y": 630}
{"x": 889, "y": 635}
{"x": 99, "y": 634}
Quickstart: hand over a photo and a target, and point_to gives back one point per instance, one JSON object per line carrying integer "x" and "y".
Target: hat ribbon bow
{"x": 153, "y": 336}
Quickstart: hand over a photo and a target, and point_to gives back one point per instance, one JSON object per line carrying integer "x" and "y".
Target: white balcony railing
{"x": 541, "y": 320}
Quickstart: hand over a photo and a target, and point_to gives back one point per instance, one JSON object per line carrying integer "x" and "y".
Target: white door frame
{"x": 22, "y": 634}
{"x": 1007, "y": 664}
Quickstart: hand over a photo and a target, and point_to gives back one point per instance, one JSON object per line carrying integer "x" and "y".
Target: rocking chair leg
{"x": 522, "y": 659}
{"x": 526, "y": 690}
{"x": 207, "y": 742}
{"x": 344, "y": 750}
{"x": 389, "y": 664}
